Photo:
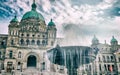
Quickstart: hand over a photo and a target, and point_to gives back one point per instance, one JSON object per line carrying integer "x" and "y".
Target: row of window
{"x": 28, "y": 35}
{"x": 13, "y": 32}
{"x": 106, "y": 59}
{"x": 107, "y": 67}
{"x": 11, "y": 54}
{"x": 32, "y": 42}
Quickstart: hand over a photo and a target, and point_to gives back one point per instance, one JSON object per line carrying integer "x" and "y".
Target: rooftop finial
{"x": 33, "y": 1}
{"x": 51, "y": 19}
{"x": 15, "y": 16}
{"x": 34, "y": 5}
{"x": 105, "y": 41}
{"x": 112, "y": 36}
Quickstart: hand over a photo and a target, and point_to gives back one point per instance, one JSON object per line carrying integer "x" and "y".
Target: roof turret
{"x": 51, "y": 23}
{"x": 113, "y": 39}
{"x": 14, "y": 19}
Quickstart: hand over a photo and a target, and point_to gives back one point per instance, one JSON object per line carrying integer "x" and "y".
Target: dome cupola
{"x": 95, "y": 41}
{"x": 14, "y": 19}
{"x": 51, "y": 23}
{"x": 33, "y": 14}
{"x": 113, "y": 41}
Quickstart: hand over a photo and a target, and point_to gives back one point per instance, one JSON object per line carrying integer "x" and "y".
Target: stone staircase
{"x": 34, "y": 71}
{"x": 28, "y": 71}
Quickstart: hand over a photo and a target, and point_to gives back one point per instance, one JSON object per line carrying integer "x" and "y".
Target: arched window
{"x": 19, "y": 55}
{"x": 43, "y": 66}
{"x": 43, "y": 36}
{"x": 13, "y": 33}
{"x": 18, "y": 68}
{"x": 33, "y": 42}
{"x": 22, "y": 34}
{"x": 18, "y": 63}
{"x": 103, "y": 58}
{"x": 12, "y": 42}
{"x": 27, "y": 35}
{"x": 33, "y": 35}
{"x": 38, "y": 42}
{"x": 108, "y": 58}
{"x": 43, "y": 42}
{"x": 27, "y": 42}
{"x": 2, "y": 43}
{"x": 9, "y": 66}
{"x": 21, "y": 41}
{"x": 10, "y": 54}
{"x": 112, "y": 58}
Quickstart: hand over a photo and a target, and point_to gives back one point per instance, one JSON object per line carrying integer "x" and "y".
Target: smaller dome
{"x": 14, "y": 19}
{"x": 94, "y": 39}
{"x": 113, "y": 39}
{"x": 51, "y": 23}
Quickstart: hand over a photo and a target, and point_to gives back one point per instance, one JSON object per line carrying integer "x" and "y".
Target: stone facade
{"x": 106, "y": 62}
{"x": 26, "y": 45}
{"x": 27, "y": 42}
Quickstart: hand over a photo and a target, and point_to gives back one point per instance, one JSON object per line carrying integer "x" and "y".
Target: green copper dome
{"x": 33, "y": 13}
{"x": 51, "y": 23}
{"x": 14, "y": 19}
{"x": 113, "y": 39}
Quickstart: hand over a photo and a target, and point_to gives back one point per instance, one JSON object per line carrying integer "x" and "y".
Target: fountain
{"x": 72, "y": 57}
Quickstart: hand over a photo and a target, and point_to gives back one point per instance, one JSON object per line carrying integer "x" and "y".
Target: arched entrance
{"x": 31, "y": 61}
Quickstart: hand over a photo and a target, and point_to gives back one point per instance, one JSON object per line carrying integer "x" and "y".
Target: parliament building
{"x": 24, "y": 50}
{"x": 26, "y": 45}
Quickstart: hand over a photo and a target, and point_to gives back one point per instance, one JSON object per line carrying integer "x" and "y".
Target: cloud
{"x": 81, "y": 18}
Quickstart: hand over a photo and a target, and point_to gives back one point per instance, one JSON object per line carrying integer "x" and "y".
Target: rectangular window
{"x": 10, "y": 54}
{"x": 104, "y": 59}
{"x": 105, "y": 67}
{"x": 108, "y": 67}
{"x": 112, "y": 58}
{"x": 99, "y": 59}
{"x": 100, "y": 67}
{"x": 119, "y": 59}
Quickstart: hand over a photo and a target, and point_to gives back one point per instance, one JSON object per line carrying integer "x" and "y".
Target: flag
{"x": 110, "y": 69}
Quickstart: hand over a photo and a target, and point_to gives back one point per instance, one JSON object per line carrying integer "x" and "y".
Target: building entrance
{"x": 31, "y": 61}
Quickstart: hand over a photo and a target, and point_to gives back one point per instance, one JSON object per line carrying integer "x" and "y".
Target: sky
{"x": 77, "y": 21}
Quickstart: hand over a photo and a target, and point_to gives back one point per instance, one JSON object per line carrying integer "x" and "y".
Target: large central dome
{"x": 33, "y": 14}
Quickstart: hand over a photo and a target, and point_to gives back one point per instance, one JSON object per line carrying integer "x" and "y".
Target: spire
{"x": 33, "y": 1}
{"x": 34, "y": 6}
{"x": 15, "y": 16}
{"x": 113, "y": 37}
{"x": 95, "y": 41}
{"x": 105, "y": 42}
{"x": 51, "y": 19}
{"x": 95, "y": 38}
